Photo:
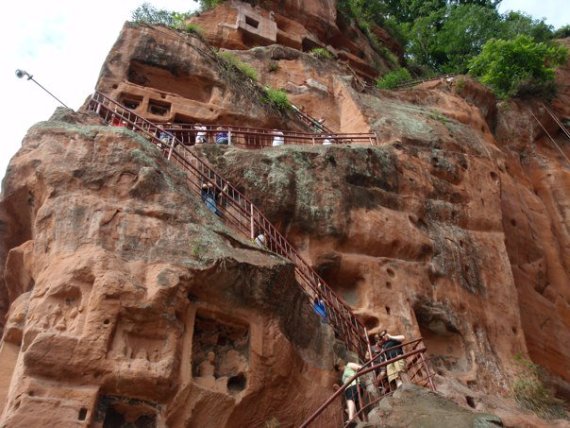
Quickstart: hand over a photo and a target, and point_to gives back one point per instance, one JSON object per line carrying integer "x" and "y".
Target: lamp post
{"x": 22, "y": 73}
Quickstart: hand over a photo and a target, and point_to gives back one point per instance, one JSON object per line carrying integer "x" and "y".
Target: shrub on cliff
{"x": 394, "y": 78}
{"x": 233, "y": 61}
{"x": 518, "y": 67}
{"x": 278, "y": 98}
{"x": 209, "y": 4}
{"x": 148, "y": 14}
{"x": 531, "y": 392}
{"x": 321, "y": 53}
{"x": 562, "y": 32}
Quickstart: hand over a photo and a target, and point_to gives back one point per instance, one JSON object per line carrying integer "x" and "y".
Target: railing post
{"x": 428, "y": 371}
{"x": 252, "y": 225}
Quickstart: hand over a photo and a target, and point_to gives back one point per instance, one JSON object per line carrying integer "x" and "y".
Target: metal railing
{"x": 373, "y": 384}
{"x": 259, "y": 138}
{"x": 415, "y": 82}
{"x": 239, "y": 212}
{"x": 557, "y": 120}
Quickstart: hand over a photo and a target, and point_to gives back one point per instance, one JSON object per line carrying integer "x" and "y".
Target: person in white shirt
{"x": 201, "y": 137}
{"x": 278, "y": 139}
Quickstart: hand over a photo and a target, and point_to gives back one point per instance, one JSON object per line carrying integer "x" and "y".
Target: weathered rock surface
{"x": 127, "y": 301}
{"x": 299, "y": 25}
{"x": 168, "y": 76}
{"x": 131, "y": 303}
{"x": 415, "y": 407}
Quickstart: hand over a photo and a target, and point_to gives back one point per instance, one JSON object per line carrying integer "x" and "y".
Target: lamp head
{"x": 21, "y": 73}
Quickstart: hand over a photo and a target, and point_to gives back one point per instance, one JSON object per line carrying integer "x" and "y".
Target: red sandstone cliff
{"x": 454, "y": 227}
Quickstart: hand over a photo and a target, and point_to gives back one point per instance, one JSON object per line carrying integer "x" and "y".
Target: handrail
{"x": 550, "y": 137}
{"x": 557, "y": 120}
{"x": 417, "y": 351}
{"x": 264, "y": 138}
{"x": 311, "y": 121}
{"x": 415, "y": 82}
{"x": 240, "y": 213}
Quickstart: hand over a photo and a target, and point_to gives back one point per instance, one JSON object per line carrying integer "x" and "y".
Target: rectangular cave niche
{"x": 251, "y": 22}
{"x": 130, "y": 101}
{"x": 122, "y": 412}
{"x": 158, "y": 108}
{"x": 220, "y": 353}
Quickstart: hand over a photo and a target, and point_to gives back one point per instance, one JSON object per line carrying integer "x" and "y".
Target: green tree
{"x": 464, "y": 32}
{"x": 394, "y": 78}
{"x": 518, "y": 67}
{"x": 517, "y": 23}
{"x": 148, "y": 14}
{"x": 562, "y": 32}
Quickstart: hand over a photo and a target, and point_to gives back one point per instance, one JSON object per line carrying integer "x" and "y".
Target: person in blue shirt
{"x": 221, "y": 136}
{"x": 320, "y": 309}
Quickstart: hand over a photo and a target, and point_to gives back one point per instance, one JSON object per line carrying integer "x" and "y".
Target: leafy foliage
{"x": 394, "y": 78}
{"x": 321, "y": 53}
{"x": 518, "y": 67}
{"x": 193, "y": 28}
{"x": 209, "y": 4}
{"x": 562, "y": 32}
{"x": 148, "y": 14}
{"x": 278, "y": 98}
{"x": 233, "y": 61}
{"x": 443, "y": 35}
{"x": 531, "y": 393}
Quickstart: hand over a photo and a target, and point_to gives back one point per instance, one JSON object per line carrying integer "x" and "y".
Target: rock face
{"x": 169, "y": 77}
{"x": 129, "y": 303}
{"x": 299, "y": 25}
{"x": 413, "y": 407}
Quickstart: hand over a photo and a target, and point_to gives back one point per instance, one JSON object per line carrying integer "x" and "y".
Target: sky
{"x": 63, "y": 45}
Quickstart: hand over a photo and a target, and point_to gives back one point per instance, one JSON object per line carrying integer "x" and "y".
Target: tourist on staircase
{"x": 392, "y": 346}
{"x": 348, "y": 370}
{"x": 260, "y": 240}
{"x": 320, "y": 309}
{"x": 208, "y": 194}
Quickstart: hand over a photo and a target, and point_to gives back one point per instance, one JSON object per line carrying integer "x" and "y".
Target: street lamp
{"x": 22, "y": 73}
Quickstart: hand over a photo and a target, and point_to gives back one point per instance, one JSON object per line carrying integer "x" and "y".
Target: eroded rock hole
{"x": 470, "y": 401}
{"x": 390, "y": 273}
{"x": 82, "y": 414}
{"x": 388, "y": 285}
{"x": 387, "y": 309}
{"x": 493, "y": 175}
{"x": 237, "y": 383}
{"x": 369, "y": 321}
{"x": 439, "y": 328}
{"x": 513, "y": 222}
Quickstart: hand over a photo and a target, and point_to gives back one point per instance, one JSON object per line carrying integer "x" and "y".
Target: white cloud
{"x": 556, "y": 12}
{"x": 63, "y": 45}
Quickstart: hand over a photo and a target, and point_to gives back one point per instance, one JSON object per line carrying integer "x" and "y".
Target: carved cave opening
{"x": 123, "y": 412}
{"x": 343, "y": 276}
{"x": 130, "y": 101}
{"x": 220, "y": 353}
{"x": 158, "y": 108}
{"x": 187, "y": 85}
{"x": 251, "y": 22}
{"x": 442, "y": 338}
